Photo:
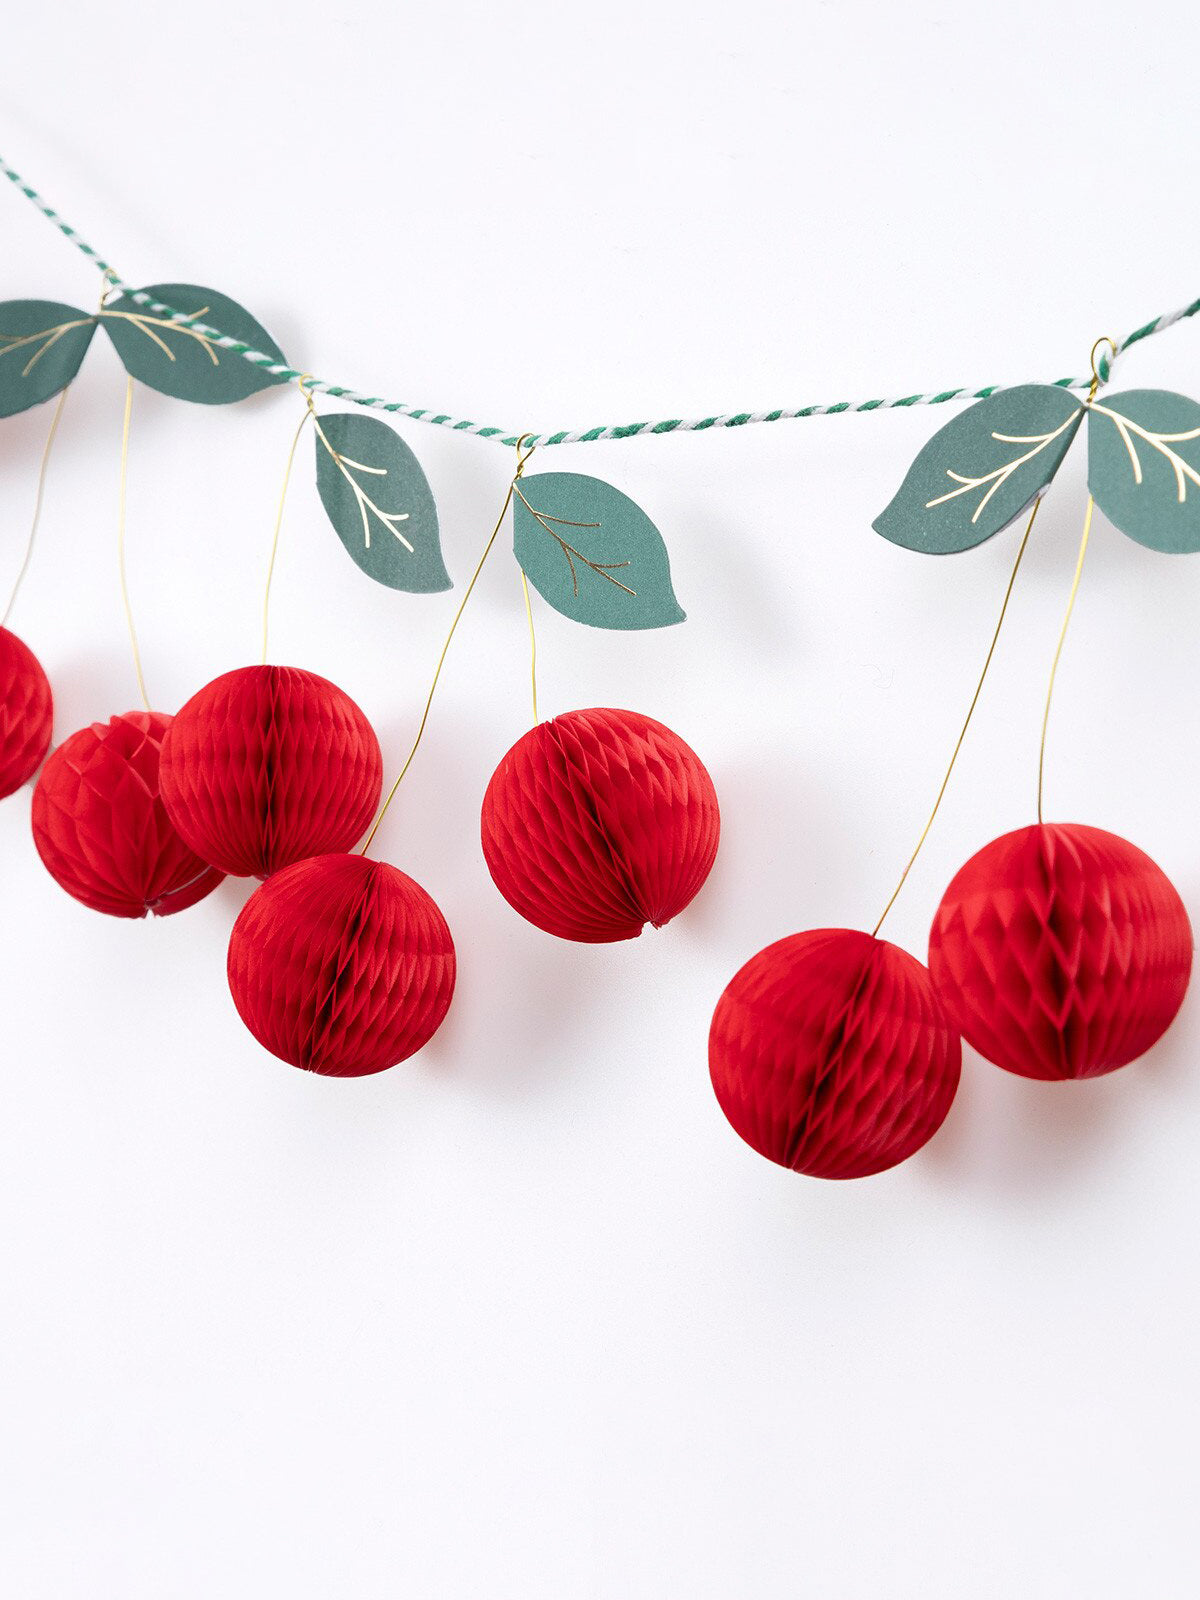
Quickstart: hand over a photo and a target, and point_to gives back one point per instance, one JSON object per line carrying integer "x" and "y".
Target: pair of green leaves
{"x": 987, "y": 466}
{"x": 370, "y": 483}
{"x": 43, "y": 343}
{"x": 587, "y": 548}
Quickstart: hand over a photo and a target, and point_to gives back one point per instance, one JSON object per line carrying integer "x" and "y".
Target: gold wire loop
{"x": 302, "y": 382}
{"x": 1096, "y": 378}
{"x": 522, "y": 459}
{"x": 107, "y": 284}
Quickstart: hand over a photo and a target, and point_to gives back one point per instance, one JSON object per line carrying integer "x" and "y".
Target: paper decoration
{"x": 1144, "y": 466}
{"x": 100, "y": 826}
{"x": 42, "y": 344}
{"x": 26, "y": 713}
{"x": 1061, "y": 951}
{"x": 599, "y": 822}
{"x": 830, "y": 1053}
{"x": 341, "y": 965}
{"x": 176, "y": 358}
{"x": 592, "y": 553}
{"x": 267, "y": 765}
{"x": 982, "y": 470}
{"x": 380, "y": 503}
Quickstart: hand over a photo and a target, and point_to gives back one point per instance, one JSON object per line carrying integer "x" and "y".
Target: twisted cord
{"x": 627, "y": 430}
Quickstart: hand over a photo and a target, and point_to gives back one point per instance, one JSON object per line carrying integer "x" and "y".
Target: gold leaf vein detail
{"x": 10, "y": 342}
{"x": 602, "y": 569}
{"x": 1127, "y": 429}
{"x": 365, "y": 504}
{"x": 1000, "y": 475}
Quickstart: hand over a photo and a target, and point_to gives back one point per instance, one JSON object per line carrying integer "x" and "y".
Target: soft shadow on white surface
{"x": 523, "y": 1318}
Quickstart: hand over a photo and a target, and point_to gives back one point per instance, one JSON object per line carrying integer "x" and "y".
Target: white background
{"x": 523, "y": 1318}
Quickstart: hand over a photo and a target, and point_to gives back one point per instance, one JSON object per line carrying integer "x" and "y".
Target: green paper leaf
{"x": 592, "y": 553}
{"x": 42, "y": 344}
{"x": 380, "y": 503}
{"x": 1144, "y": 466}
{"x": 177, "y": 358}
{"x": 982, "y": 470}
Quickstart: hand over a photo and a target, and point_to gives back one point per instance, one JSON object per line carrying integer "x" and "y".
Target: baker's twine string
{"x": 627, "y": 430}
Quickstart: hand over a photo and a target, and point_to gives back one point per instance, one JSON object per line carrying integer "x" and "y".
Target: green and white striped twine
{"x": 626, "y": 430}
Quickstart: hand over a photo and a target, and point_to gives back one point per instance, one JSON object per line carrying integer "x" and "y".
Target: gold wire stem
{"x": 1083, "y": 544}
{"x": 37, "y": 506}
{"x": 133, "y": 638}
{"x": 532, "y": 644}
{"x": 487, "y": 550}
{"x": 287, "y": 478}
{"x": 1012, "y": 578}
{"x": 441, "y": 661}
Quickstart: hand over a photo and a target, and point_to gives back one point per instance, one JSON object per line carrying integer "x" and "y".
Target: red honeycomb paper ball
{"x": 341, "y": 965}
{"x": 830, "y": 1053}
{"x": 26, "y": 712}
{"x": 1061, "y": 951}
{"x": 598, "y": 822}
{"x": 100, "y": 826}
{"x": 270, "y": 765}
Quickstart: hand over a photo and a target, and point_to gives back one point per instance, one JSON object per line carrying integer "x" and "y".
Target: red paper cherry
{"x": 341, "y": 965}
{"x": 101, "y": 828}
{"x": 26, "y": 712}
{"x": 831, "y": 1054}
{"x": 270, "y": 765}
{"x": 598, "y": 822}
{"x": 1061, "y": 951}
